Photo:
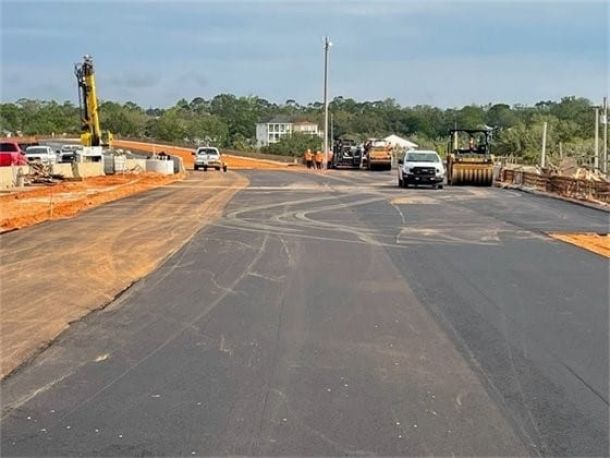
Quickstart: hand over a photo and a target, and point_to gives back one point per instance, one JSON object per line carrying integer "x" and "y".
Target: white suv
{"x": 421, "y": 167}
{"x": 208, "y": 157}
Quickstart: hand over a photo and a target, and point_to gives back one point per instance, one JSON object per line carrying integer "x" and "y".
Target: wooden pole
{"x": 596, "y": 156}
{"x": 543, "y": 155}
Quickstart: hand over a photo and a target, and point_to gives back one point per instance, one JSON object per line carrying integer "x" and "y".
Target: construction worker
{"x": 308, "y": 158}
{"x": 319, "y": 158}
{"x": 472, "y": 144}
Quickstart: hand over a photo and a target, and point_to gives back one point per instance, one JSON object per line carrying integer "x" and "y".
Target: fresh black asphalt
{"x": 337, "y": 314}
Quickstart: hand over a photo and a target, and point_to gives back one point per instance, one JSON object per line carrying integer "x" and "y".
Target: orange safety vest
{"x": 308, "y": 156}
{"x": 319, "y": 156}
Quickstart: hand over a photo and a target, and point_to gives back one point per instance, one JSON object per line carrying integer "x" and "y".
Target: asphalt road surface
{"x": 337, "y": 314}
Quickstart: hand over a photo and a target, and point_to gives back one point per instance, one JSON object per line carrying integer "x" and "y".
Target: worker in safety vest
{"x": 319, "y": 158}
{"x": 308, "y": 158}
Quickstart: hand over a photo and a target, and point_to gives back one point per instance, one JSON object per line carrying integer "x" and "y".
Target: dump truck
{"x": 469, "y": 161}
{"x": 378, "y": 155}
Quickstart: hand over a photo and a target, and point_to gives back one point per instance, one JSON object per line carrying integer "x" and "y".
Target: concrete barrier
{"x": 63, "y": 169}
{"x": 115, "y": 164}
{"x": 135, "y": 164}
{"x": 9, "y": 175}
{"x": 89, "y": 169}
{"x": 160, "y": 166}
{"x": 178, "y": 164}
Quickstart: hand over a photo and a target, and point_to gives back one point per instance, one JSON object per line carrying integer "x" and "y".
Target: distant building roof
{"x": 276, "y": 119}
{"x": 285, "y": 119}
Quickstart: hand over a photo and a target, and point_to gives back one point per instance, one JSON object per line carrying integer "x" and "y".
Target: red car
{"x": 11, "y": 154}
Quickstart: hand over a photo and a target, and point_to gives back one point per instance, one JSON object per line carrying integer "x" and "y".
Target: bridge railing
{"x": 556, "y": 184}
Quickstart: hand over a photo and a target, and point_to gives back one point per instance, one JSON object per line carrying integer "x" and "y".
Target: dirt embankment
{"x": 63, "y": 200}
{"x": 597, "y": 243}
{"x": 56, "y": 274}
{"x": 233, "y": 162}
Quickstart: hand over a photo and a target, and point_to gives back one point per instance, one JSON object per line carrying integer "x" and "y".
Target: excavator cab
{"x": 469, "y": 161}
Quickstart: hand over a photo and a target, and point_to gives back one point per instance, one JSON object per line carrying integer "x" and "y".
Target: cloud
{"x": 463, "y": 80}
{"x": 446, "y": 53}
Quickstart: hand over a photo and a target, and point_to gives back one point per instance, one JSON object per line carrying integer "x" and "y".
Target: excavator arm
{"x": 91, "y": 134}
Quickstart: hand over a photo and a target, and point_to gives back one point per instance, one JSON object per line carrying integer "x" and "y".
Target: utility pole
{"x": 605, "y": 149}
{"x": 543, "y": 156}
{"x": 596, "y": 157}
{"x": 327, "y": 45}
{"x": 332, "y": 129}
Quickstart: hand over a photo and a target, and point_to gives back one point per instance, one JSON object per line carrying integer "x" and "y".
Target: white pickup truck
{"x": 43, "y": 154}
{"x": 208, "y": 157}
{"x": 421, "y": 167}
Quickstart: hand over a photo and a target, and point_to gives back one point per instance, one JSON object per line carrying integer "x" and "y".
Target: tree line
{"x": 229, "y": 121}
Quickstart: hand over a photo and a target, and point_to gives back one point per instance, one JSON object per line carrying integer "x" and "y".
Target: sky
{"x": 442, "y": 53}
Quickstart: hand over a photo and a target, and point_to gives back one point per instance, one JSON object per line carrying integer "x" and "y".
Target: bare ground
{"x": 54, "y": 274}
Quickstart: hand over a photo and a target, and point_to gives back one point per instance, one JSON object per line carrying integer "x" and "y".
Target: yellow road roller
{"x": 470, "y": 161}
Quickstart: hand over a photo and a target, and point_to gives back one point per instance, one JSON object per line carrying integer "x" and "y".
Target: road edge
{"x": 549, "y": 195}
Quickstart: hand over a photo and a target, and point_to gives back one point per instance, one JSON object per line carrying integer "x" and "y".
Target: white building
{"x": 273, "y": 130}
{"x": 306, "y": 127}
{"x": 401, "y": 143}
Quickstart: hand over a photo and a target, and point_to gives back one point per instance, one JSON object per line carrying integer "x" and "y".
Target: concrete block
{"x": 134, "y": 164}
{"x": 115, "y": 164}
{"x": 89, "y": 169}
{"x": 64, "y": 169}
{"x": 160, "y": 166}
{"x": 178, "y": 164}
{"x": 9, "y": 174}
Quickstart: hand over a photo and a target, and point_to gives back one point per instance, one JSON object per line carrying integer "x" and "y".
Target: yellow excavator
{"x": 91, "y": 134}
{"x": 470, "y": 163}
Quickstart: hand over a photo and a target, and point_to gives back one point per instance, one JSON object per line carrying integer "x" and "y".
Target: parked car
{"x": 11, "y": 154}
{"x": 67, "y": 153}
{"x": 208, "y": 157}
{"x": 421, "y": 167}
{"x": 43, "y": 154}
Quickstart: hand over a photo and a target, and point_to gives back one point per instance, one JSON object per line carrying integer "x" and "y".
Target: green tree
{"x": 208, "y": 129}
{"x": 294, "y": 145}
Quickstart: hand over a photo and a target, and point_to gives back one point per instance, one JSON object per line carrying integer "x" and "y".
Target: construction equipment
{"x": 346, "y": 153}
{"x": 91, "y": 134}
{"x": 472, "y": 162}
{"x": 378, "y": 155}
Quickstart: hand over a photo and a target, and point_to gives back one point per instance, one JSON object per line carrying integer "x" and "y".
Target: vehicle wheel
{"x": 217, "y": 169}
{"x": 205, "y": 169}
{"x": 195, "y": 168}
{"x": 224, "y": 168}
{"x": 439, "y": 186}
